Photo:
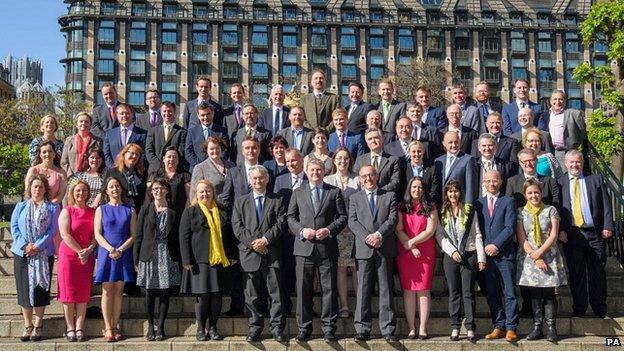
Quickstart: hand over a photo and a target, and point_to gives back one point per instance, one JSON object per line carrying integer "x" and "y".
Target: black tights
{"x": 543, "y": 294}
{"x": 163, "y": 306}
{"x": 207, "y": 308}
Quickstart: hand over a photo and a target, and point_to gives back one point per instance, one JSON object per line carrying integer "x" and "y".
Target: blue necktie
{"x": 485, "y": 111}
{"x": 277, "y": 123}
{"x": 259, "y": 208}
{"x": 371, "y": 202}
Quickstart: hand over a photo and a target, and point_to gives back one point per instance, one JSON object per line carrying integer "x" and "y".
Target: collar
{"x": 247, "y": 165}
{"x": 417, "y": 166}
{"x": 113, "y": 105}
{"x": 369, "y": 192}
{"x": 373, "y": 154}
{"x": 154, "y": 111}
{"x": 526, "y": 176}
{"x": 340, "y": 132}
{"x": 356, "y": 103}
{"x": 170, "y": 125}
{"x": 312, "y": 186}
{"x": 207, "y": 126}
{"x": 297, "y": 130}
{"x": 319, "y": 92}
{"x": 580, "y": 176}
{"x": 483, "y": 159}
{"x": 448, "y": 154}
{"x": 298, "y": 176}
{"x": 256, "y": 195}
{"x": 526, "y": 102}
{"x": 454, "y": 129}
{"x": 495, "y": 196}
{"x": 130, "y": 127}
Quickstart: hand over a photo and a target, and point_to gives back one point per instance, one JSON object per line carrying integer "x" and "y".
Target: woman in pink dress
{"x": 417, "y": 250}
{"x": 75, "y": 259}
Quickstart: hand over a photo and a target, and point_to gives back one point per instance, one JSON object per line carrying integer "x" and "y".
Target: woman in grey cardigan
{"x": 214, "y": 168}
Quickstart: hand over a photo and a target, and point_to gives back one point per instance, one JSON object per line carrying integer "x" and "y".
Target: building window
{"x": 169, "y": 33}
{"x": 137, "y": 93}
{"x": 200, "y": 11}
{"x": 518, "y": 68}
{"x": 547, "y": 75}
{"x": 260, "y": 67}
{"x": 289, "y": 13}
{"x": 433, "y": 17}
{"x": 170, "y": 10}
{"x": 435, "y": 40}
{"x": 318, "y": 15}
{"x": 106, "y": 66}
{"x": 260, "y": 12}
{"x": 376, "y": 15}
{"x": 289, "y": 70}
{"x": 518, "y": 42}
{"x": 106, "y": 34}
{"x": 431, "y": 2}
{"x": 319, "y": 61}
{"x": 230, "y": 35}
{"x": 543, "y": 19}
{"x": 572, "y": 43}
{"x": 200, "y": 38}
{"x": 169, "y": 68}
{"x": 376, "y": 39}
{"x": 139, "y": 9}
{"x": 200, "y": 68}
{"x": 137, "y": 67}
{"x": 377, "y": 72}
{"x": 544, "y": 42}
{"x": 108, "y": 8}
{"x": 492, "y": 74}
{"x": 138, "y": 32}
{"x": 347, "y": 38}
{"x": 347, "y": 15}
{"x": 405, "y": 59}
{"x": 487, "y": 17}
{"x": 318, "y": 38}
{"x": 230, "y": 70}
{"x": 348, "y": 68}
{"x": 406, "y": 39}
{"x": 260, "y": 35}
{"x": 490, "y": 45}
{"x": 461, "y": 17}
{"x": 230, "y": 11}
{"x": 570, "y": 20}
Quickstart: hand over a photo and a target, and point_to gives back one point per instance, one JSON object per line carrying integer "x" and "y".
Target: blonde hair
{"x": 208, "y": 184}
{"x": 51, "y": 117}
{"x": 529, "y": 131}
{"x": 119, "y": 160}
{"x": 70, "y": 195}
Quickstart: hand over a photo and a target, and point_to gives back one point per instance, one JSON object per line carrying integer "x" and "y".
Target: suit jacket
{"x": 468, "y": 137}
{"x": 389, "y": 170}
{"x": 195, "y": 237}
{"x": 156, "y": 144}
{"x": 319, "y": 116}
{"x": 306, "y": 139}
{"x": 550, "y": 190}
{"x": 353, "y": 142}
{"x": 230, "y": 122}
{"x": 547, "y": 144}
{"x": 112, "y": 142}
{"x": 507, "y": 148}
{"x": 193, "y": 148}
{"x": 363, "y": 222}
{"x": 500, "y": 228}
{"x": 436, "y": 117}
{"x": 146, "y": 234}
{"x": 395, "y": 149}
{"x": 575, "y": 132}
{"x": 510, "y": 116}
{"x": 236, "y": 184}
{"x": 431, "y": 137}
{"x": 283, "y": 185}
{"x": 599, "y": 204}
{"x": 68, "y": 157}
{"x": 266, "y": 119}
{"x": 274, "y": 172}
{"x": 357, "y": 120}
{"x": 102, "y": 120}
{"x": 505, "y": 168}
{"x": 397, "y": 110}
{"x": 477, "y": 122}
{"x": 431, "y": 181}
{"x": 263, "y": 136}
{"x": 463, "y": 170}
{"x": 247, "y": 228}
{"x": 332, "y": 214}
{"x": 189, "y": 115}
{"x": 143, "y": 120}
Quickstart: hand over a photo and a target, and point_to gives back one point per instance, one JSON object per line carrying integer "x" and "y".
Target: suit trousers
{"x": 306, "y": 267}
{"x": 237, "y": 298}
{"x": 586, "y": 256}
{"x": 500, "y": 276}
{"x": 287, "y": 270}
{"x": 381, "y": 267}
{"x": 255, "y": 282}
{"x": 460, "y": 278}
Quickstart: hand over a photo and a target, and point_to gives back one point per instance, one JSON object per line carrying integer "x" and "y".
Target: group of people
{"x": 264, "y": 205}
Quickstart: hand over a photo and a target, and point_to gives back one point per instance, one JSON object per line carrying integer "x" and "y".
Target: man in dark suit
{"x": 388, "y": 167}
{"x": 510, "y": 111}
{"x": 203, "y": 87}
{"x": 467, "y": 136}
{"x": 372, "y": 219}
{"x": 151, "y": 118}
{"x": 357, "y": 108}
{"x": 390, "y": 108}
{"x": 196, "y": 136}
{"x": 586, "y": 222}
{"x": 344, "y": 137}
{"x": 506, "y": 147}
{"x": 433, "y": 116}
{"x": 515, "y": 184}
{"x": 163, "y": 136}
{"x": 250, "y": 128}
{"x": 316, "y": 215}
{"x": 457, "y": 165}
{"x": 275, "y": 118}
{"x": 373, "y": 121}
{"x": 525, "y": 120}
{"x": 104, "y": 116}
{"x": 496, "y": 216}
{"x": 484, "y": 107}
{"x": 126, "y": 133}
{"x": 319, "y": 104}
{"x": 297, "y": 135}
{"x": 233, "y": 118}
{"x": 416, "y": 167}
{"x": 487, "y": 160}
{"x": 429, "y": 135}
{"x": 258, "y": 221}
{"x": 403, "y": 135}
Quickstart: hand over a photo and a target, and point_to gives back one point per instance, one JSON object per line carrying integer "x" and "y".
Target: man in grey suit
{"x": 319, "y": 104}
{"x": 105, "y": 116}
{"x": 388, "y": 167}
{"x": 151, "y": 118}
{"x": 250, "y": 129}
{"x": 297, "y": 135}
{"x": 233, "y": 115}
{"x": 372, "y": 219}
{"x": 390, "y": 108}
{"x": 316, "y": 215}
{"x": 484, "y": 106}
{"x": 457, "y": 165}
{"x": 258, "y": 221}
{"x": 525, "y": 120}
{"x": 163, "y": 136}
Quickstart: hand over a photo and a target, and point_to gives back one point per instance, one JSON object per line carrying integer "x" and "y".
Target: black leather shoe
{"x": 214, "y": 334}
{"x": 390, "y": 338}
{"x": 278, "y": 336}
{"x": 253, "y": 336}
{"x": 329, "y": 337}
{"x": 302, "y": 336}
{"x": 423, "y": 337}
{"x": 454, "y": 337}
{"x": 472, "y": 338}
{"x": 150, "y": 335}
{"x": 201, "y": 336}
{"x": 361, "y": 337}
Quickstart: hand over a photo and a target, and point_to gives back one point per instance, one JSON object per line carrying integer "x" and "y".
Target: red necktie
{"x": 113, "y": 115}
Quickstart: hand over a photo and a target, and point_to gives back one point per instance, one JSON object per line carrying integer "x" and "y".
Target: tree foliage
{"x": 430, "y": 73}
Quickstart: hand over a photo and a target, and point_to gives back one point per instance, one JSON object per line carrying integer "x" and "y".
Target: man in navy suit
{"x": 163, "y": 136}
{"x": 275, "y": 118}
{"x": 196, "y": 136}
{"x": 586, "y": 222}
{"x": 403, "y": 135}
{"x": 357, "y": 108}
{"x": 233, "y": 118}
{"x": 487, "y": 160}
{"x": 151, "y": 118}
{"x": 389, "y": 107}
{"x": 343, "y": 137}
{"x": 430, "y": 136}
{"x": 115, "y": 139}
{"x": 433, "y": 116}
{"x": 506, "y": 147}
{"x": 484, "y": 107}
{"x": 496, "y": 216}
{"x": 457, "y": 165}
{"x": 388, "y": 167}
{"x": 250, "y": 128}
{"x": 105, "y": 116}
{"x": 203, "y": 87}
{"x": 467, "y": 136}
{"x": 525, "y": 120}
{"x": 510, "y": 111}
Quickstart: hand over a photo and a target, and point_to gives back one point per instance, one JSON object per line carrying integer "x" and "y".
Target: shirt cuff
{"x": 301, "y": 235}
{"x": 266, "y": 241}
{"x": 379, "y": 235}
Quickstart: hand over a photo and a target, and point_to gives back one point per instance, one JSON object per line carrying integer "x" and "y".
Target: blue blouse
{"x": 18, "y": 229}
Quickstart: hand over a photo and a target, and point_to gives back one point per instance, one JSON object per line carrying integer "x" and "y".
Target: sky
{"x": 30, "y": 28}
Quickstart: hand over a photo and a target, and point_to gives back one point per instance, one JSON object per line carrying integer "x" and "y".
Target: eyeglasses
{"x": 528, "y": 161}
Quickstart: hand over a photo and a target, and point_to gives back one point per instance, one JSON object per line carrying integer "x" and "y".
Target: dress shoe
{"x": 495, "y": 334}
{"x": 302, "y": 336}
{"x": 423, "y": 336}
{"x": 511, "y": 336}
{"x": 472, "y": 338}
{"x": 412, "y": 336}
{"x": 201, "y": 336}
{"x": 214, "y": 334}
{"x": 329, "y": 337}
{"x": 278, "y": 336}
{"x": 390, "y": 338}
{"x": 150, "y": 335}
{"x": 361, "y": 337}
{"x": 234, "y": 312}
{"x": 253, "y": 336}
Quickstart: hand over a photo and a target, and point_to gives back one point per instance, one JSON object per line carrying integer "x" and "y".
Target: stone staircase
{"x": 576, "y": 333}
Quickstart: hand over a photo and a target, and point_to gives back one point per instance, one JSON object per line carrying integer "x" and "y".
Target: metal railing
{"x": 615, "y": 244}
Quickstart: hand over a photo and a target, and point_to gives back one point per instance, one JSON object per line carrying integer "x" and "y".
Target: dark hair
{"x": 105, "y": 198}
{"x": 451, "y": 185}
{"x": 162, "y": 158}
{"x": 334, "y": 169}
{"x": 356, "y": 84}
{"x": 205, "y": 106}
{"x": 126, "y": 106}
{"x": 57, "y": 157}
{"x": 161, "y": 181}
{"x": 531, "y": 182}
{"x": 43, "y": 180}
{"x": 215, "y": 140}
{"x": 408, "y": 203}
{"x": 85, "y": 163}
{"x": 320, "y": 130}
{"x": 278, "y": 139}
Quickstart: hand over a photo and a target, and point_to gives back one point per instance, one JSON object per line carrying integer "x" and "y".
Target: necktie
{"x": 353, "y": 107}
{"x": 386, "y": 109}
{"x": 342, "y": 140}
{"x": 577, "y": 211}
{"x": 416, "y": 132}
{"x": 491, "y": 205}
{"x": 296, "y": 140}
{"x": 206, "y": 132}
{"x": 295, "y": 182}
{"x": 237, "y": 114}
{"x": 449, "y": 163}
{"x": 248, "y": 132}
{"x": 418, "y": 171}
{"x": 259, "y": 208}
{"x": 376, "y": 162}
{"x": 316, "y": 198}
{"x": 113, "y": 115}
{"x": 153, "y": 120}
{"x": 485, "y": 111}
{"x": 167, "y": 132}
{"x": 522, "y": 105}
{"x": 371, "y": 202}
{"x": 124, "y": 136}
{"x": 319, "y": 96}
{"x": 276, "y": 121}
{"x": 487, "y": 165}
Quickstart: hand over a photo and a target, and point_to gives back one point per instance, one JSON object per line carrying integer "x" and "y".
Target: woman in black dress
{"x": 179, "y": 181}
{"x": 130, "y": 171}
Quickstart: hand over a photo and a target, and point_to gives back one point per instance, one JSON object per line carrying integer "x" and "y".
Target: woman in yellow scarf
{"x": 540, "y": 264}
{"x": 203, "y": 258}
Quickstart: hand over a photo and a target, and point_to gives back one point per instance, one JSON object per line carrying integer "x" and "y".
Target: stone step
{"x": 238, "y": 343}
{"x": 135, "y": 326}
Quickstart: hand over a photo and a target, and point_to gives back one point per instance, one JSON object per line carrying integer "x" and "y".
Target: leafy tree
{"x": 605, "y": 24}
{"x": 430, "y": 73}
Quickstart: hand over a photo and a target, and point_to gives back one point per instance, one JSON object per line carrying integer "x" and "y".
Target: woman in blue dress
{"x": 114, "y": 229}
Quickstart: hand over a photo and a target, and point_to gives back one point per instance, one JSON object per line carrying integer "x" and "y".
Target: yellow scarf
{"x": 537, "y": 229}
{"x": 216, "y": 254}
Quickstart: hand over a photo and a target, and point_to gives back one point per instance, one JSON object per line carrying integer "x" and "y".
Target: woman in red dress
{"x": 417, "y": 250}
